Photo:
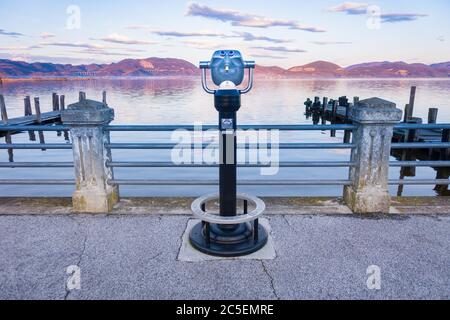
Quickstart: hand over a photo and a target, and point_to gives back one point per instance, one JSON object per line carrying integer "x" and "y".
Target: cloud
{"x": 179, "y": 34}
{"x": 325, "y": 43}
{"x": 93, "y": 48}
{"x": 280, "y": 49}
{"x": 47, "y": 35}
{"x": 10, "y": 34}
{"x": 20, "y": 48}
{"x": 360, "y": 8}
{"x": 138, "y": 27}
{"x": 245, "y": 19}
{"x": 77, "y": 45}
{"x": 120, "y": 39}
{"x": 53, "y": 59}
{"x": 102, "y": 52}
{"x": 401, "y": 17}
{"x": 350, "y": 8}
{"x": 247, "y": 36}
{"x": 440, "y": 38}
{"x": 267, "y": 56}
{"x": 209, "y": 45}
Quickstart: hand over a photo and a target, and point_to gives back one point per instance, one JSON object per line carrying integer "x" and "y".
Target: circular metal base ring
{"x": 232, "y": 236}
{"x": 211, "y": 218}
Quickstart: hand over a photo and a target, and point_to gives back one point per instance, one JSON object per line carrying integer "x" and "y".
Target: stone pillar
{"x": 369, "y": 191}
{"x": 87, "y": 119}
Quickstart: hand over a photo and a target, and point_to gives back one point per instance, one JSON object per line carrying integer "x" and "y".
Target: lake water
{"x": 182, "y": 101}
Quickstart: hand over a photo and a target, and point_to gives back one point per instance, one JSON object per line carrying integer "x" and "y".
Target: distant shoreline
{"x": 42, "y": 79}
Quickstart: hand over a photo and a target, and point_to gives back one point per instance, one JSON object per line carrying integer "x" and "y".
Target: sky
{"x": 285, "y": 33}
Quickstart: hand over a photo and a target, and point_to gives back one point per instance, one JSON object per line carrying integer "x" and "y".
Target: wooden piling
{"x": 55, "y": 102}
{"x": 8, "y": 139}
{"x": 406, "y": 113}
{"x": 37, "y": 107}
{"x": 432, "y": 115}
{"x": 3, "y": 109}
{"x": 104, "y": 97}
{"x": 333, "y": 117}
{"x": 325, "y": 104}
{"x": 29, "y": 112}
{"x": 27, "y": 106}
{"x": 348, "y": 133}
{"x": 62, "y": 102}
{"x": 56, "y": 107}
{"x": 82, "y": 96}
{"x": 412, "y": 99}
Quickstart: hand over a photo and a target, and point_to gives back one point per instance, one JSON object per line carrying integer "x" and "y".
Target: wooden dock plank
{"x": 28, "y": 120}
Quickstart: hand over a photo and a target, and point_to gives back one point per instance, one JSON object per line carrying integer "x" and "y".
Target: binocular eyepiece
{"x": 227, "y": 71}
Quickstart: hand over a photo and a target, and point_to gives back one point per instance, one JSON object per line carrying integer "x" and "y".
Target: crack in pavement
{"x": 288, "y": 222}
{"x": 272, "y": 281}
{"x": 80, "y": 256}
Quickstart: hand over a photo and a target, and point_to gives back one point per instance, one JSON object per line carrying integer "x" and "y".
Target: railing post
{"x": 369, "y": 191}
{"x": 86, "y": 120}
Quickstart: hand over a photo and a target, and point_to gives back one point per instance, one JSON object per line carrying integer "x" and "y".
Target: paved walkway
{"x": 135, "y": 257}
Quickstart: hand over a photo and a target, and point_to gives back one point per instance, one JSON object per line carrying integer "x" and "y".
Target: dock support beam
{"x": 369, "y": 191}
{"x": 87, "y": 119}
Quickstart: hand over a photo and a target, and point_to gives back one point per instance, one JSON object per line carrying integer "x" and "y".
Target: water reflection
{"x": 182, "y": 101}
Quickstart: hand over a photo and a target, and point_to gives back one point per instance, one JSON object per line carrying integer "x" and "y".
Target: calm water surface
{"x": 182, "y": 101}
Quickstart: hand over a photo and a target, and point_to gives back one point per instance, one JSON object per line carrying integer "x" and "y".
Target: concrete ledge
{"x": 181, "y": 206}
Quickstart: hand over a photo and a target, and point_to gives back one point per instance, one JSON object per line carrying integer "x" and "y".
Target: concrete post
{"x": 369, "y": 191}
{"x": 87, "y": 119}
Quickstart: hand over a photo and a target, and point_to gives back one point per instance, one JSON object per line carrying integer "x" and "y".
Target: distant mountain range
{"x": 177, "y": 67}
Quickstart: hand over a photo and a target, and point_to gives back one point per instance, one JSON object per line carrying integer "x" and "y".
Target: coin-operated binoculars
{"x": 228, "y": 234}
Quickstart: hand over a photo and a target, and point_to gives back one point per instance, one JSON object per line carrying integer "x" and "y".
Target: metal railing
{"x": 262, "y": 182}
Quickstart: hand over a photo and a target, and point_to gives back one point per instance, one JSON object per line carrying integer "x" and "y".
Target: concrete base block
{"x": 189, "y": 254}
{"x": 94, "y": 201}
{"x": 368, "y": 200}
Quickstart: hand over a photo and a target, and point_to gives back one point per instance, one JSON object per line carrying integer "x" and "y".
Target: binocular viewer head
{"x": 227, "y": 69}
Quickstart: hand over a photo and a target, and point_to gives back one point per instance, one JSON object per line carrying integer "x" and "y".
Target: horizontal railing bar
{"x": 216, "y": 182}
{"x": 36, "y": 182}
{"x": 420, "y": 182}
{"x": 419, "y": 164}
{"x": 421, "y": 145}
{"x": 161, "y": 146}
{"x": 422, "y": 126}
{"x": 4, "y": 128}
{"x": 305, "y": 164}
{"x": 14, "y": 128}
{"x": 33, "y": 146}
{"x": 36, "y": 165}
{"x": 241, "y": 127}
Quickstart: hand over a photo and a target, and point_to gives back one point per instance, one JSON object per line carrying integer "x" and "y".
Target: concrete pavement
{"x": 135, "y": 257}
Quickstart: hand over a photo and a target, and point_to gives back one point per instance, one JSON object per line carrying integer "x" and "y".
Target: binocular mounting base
{"x": 228, "y": 236}
{"x": 223, "y": 241}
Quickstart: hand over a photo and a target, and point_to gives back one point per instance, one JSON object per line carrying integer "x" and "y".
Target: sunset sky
{"x": 284, "y": 33}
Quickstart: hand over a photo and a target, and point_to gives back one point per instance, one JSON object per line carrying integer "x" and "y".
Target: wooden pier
{"x": 38, "y": 117}
{"x": 339, "y": 112}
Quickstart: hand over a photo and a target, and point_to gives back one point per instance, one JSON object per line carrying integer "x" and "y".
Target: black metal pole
{"x": 227, "y": 170}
